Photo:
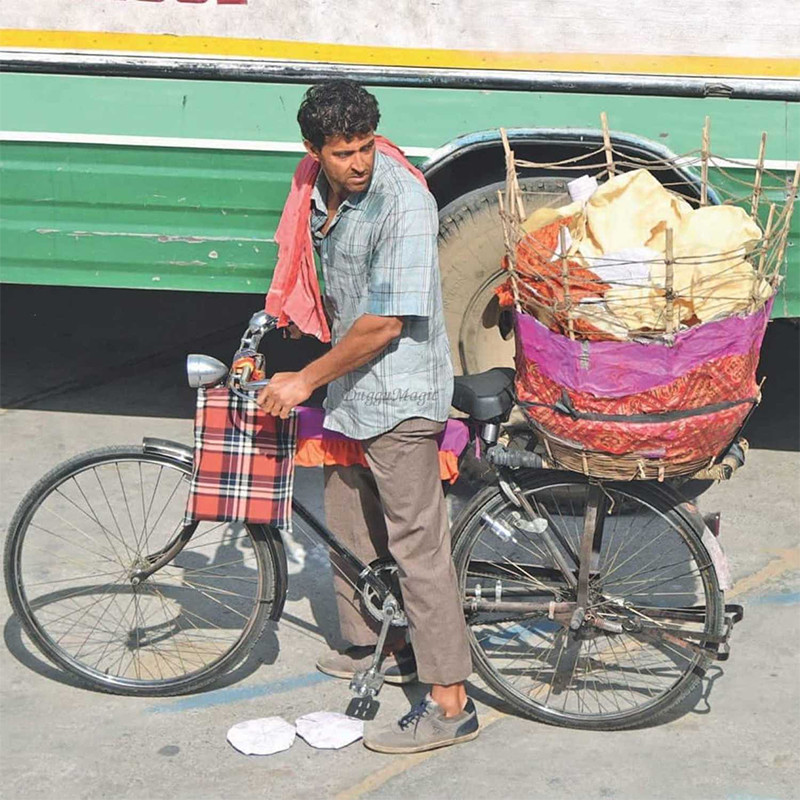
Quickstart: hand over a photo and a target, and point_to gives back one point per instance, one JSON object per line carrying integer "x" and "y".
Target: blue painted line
{"x": 524, "y": 634}
{"x": 235, "y": 694}
{"x": 778, "y": 599}
{"x": 750, "y": 797}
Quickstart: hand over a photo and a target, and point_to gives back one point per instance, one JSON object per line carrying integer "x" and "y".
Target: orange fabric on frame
{"x": 541, "y": 282}
{"x": 534, "y": 253}
{"x": 319, "y": 452}
{"x": 685, "y": 440}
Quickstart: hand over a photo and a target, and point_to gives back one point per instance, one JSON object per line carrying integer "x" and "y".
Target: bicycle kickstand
{"x": 366, "y": 685}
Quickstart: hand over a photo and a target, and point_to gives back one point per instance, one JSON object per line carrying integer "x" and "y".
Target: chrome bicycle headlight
{"x": 204, "y": 370}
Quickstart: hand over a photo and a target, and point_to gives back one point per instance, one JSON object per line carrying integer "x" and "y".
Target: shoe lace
{"x": 416, "y": 713}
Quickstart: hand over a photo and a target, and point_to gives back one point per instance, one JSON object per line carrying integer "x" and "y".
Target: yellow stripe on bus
{"x": 401, "y": 56}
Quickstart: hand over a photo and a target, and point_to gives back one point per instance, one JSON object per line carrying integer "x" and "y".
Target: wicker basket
{"x": 601, "y": 428}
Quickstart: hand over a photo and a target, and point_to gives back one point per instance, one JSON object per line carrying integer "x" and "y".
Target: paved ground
{"x": 63, "y": 394}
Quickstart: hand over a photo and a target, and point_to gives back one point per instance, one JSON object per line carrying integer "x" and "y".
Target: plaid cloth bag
{"x": 243, "y": 462}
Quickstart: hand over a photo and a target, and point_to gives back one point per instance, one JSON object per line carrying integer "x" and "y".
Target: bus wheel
{"x": 470, "y": 250}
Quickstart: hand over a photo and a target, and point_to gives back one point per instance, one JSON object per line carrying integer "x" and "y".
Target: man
{"x": 390, "y": 382}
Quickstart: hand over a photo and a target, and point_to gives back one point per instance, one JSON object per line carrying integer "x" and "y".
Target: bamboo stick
{"x": 562, "y": 239}
{"x": 765, "y": 241}
{"x": 762, "y": 258}
{"x": 669, "y": 280}
{"x": 513, "y": 191}
{"x": 704, "y": 161}
{"x": 510, "y": 255}
{"x": 784, "y": 235}
{"x": 759, "y": 177}
{"x": 607, "y": 145}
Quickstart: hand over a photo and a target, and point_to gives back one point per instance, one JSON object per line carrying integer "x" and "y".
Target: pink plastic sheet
{"x": 617, "y": 369}
{"x": 453, "y": 438}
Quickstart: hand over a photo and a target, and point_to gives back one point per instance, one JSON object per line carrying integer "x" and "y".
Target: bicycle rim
{"x": 73, "y": 547}
{"x": 651, "y": 568}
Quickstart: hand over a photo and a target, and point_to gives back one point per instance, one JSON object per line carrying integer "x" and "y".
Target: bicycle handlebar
{"x": 251, "y": 386}
{"x": 260, "y": 323}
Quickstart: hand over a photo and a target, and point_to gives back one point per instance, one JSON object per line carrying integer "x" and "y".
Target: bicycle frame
{"x": 577, "y": 575}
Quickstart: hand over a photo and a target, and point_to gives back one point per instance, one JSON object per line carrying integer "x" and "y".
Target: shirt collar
{"x": 319, "y": 195}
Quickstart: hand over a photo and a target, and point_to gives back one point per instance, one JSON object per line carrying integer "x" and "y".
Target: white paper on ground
{"x": 262, "y": 737}
{"x": 329, "y": 730}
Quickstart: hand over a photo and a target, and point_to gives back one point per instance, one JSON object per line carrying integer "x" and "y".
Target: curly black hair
{"x": 337, "y": 108}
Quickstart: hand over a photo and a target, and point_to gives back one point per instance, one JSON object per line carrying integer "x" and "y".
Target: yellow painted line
{"x": 401, "y": 764}
{"x": 785, "y": 561}
{"x": 400, "y": 56}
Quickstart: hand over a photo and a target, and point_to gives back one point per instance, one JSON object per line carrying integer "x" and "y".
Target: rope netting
{"x": 655, "y": 246}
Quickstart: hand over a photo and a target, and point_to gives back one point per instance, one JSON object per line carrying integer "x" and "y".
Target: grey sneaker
{"x": 396, "y": 668}
{"x": 425, "y": 727}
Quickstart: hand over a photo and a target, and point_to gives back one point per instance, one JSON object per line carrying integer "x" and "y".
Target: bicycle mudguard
{"x": 692, "y": 514}
{"x": 165, "y": 447}
{"x": 184, "y": 454}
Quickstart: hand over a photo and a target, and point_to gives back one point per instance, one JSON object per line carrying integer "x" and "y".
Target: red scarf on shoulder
{"x": 294, "y": 294}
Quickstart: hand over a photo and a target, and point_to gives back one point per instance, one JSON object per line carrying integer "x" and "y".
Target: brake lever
{"x": 247, "y": 386}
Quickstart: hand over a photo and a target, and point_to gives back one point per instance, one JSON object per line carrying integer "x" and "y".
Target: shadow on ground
{"x": 105, "y": 351}
{"x": 111, "y": 351}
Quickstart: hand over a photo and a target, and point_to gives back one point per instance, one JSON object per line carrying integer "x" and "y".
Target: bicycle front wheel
{"x": 74, "y": 546}
{"x": 654, "y": 602}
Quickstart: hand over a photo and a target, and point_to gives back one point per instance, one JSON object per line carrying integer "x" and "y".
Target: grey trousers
{"x": 397, "y": 508}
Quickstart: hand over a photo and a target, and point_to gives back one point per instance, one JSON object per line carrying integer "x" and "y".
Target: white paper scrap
{"x": 567, "y": 244}
{"x": 329, "y": 730}
{"x": 262, "y": 737}
{"x": 630, "y": 267}
{"x": 581, "y": 189}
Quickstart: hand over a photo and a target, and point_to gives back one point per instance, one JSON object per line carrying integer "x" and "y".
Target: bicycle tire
{"x": 661, "y": 683}
{"x": 196, "y": 660}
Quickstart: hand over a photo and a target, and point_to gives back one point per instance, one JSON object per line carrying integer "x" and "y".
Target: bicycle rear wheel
{"x": 73, "y": 546}
{"x": 652, "y": 577}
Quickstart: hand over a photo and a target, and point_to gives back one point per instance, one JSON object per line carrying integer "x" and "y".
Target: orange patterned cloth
{"x": 542, "y": 284}
{"x": 688, "y": 439}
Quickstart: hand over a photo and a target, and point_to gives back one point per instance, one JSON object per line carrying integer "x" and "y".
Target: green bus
{"x": 151, "y": 143}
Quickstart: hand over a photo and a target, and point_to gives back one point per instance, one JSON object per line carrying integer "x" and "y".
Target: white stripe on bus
{"x": 274, "y": 147}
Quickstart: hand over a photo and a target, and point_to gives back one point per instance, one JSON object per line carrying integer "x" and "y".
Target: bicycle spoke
{"x": 96, "y": 519}
{"x": 75, "y": 555}
{"x": 128, "y": 509}
{"x": 591, "y": 673}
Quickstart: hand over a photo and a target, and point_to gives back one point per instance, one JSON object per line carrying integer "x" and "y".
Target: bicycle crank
{"x": 367, "y": 684}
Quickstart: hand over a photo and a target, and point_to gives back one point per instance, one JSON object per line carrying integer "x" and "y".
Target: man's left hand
{"x": 285, "y": 391}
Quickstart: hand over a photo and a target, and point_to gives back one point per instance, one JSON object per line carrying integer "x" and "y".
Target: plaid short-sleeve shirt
{"x": 380, "y": 257}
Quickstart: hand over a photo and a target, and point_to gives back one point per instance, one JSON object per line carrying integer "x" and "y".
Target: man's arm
{"x": 369, "y": 336}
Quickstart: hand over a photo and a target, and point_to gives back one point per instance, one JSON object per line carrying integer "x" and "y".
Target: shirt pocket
{"x": 349, "y": 267}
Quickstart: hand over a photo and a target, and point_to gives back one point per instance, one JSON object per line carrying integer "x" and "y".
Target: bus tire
{"x": 470, "y": 251}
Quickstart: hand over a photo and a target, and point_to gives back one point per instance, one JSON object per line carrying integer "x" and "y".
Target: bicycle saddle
{"x": 485, "y": 396}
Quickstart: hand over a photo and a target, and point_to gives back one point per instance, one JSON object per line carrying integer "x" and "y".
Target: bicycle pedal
{"x": 365, "y": 708}
{"x": 366, "y": 683}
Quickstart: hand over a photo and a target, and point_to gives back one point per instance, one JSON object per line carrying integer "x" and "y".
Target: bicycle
{"x": 590, "y": 604}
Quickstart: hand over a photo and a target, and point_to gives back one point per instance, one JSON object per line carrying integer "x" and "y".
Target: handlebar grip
{"x": 503, "y": 457}
{"x": 249, "y": 386}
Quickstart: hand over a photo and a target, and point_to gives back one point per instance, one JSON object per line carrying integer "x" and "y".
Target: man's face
{"x": 347, "y": 164}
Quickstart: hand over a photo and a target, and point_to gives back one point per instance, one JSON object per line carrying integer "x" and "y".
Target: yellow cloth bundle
{"x": 630, "y": 213}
